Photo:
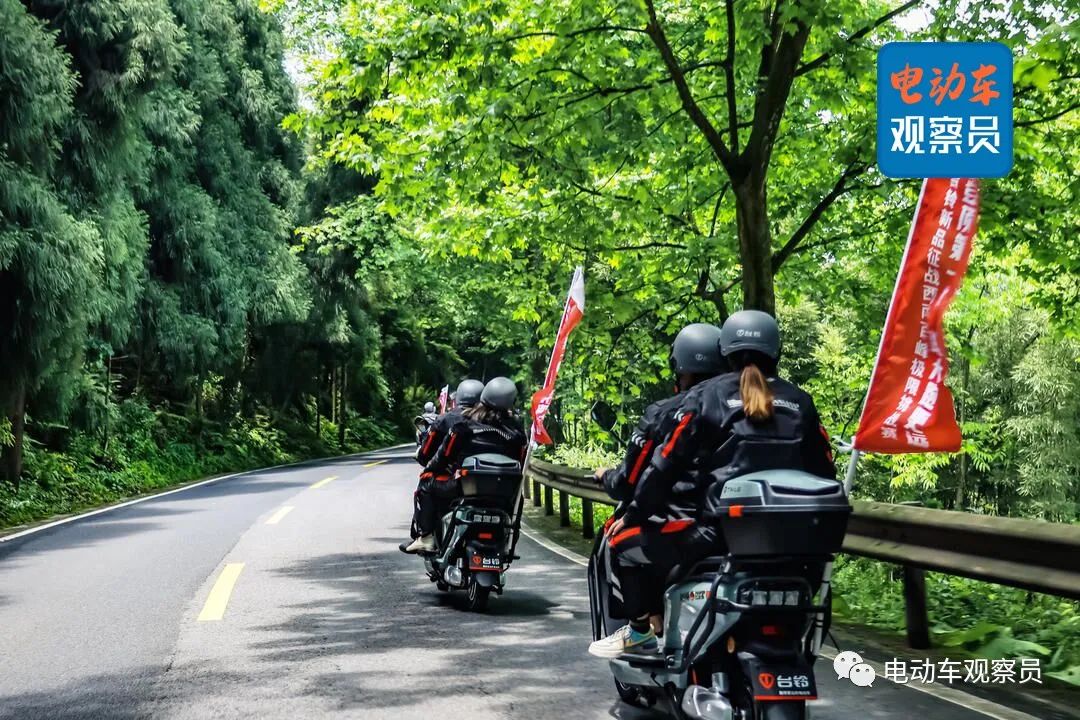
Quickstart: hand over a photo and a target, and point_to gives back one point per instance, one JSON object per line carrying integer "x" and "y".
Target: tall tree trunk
{"x": 341, "y": 407}
{"x": 106, "y": 430}
{"x": 318, "y": 415}
{"x": 755, "y": 243}
{"x": 12, "y": 457}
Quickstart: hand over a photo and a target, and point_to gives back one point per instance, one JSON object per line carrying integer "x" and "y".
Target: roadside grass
{"x": 158, "y": 451}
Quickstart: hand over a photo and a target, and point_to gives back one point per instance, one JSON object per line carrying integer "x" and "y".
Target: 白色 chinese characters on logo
{"x": 944, "y": 110}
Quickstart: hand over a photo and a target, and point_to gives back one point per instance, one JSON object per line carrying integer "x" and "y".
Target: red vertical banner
{"x": 573, "y": 311}
{"x": 908, "y": 407}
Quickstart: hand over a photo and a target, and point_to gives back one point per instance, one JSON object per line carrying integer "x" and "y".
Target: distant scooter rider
{"x": 424, "y": 422}
{"x": 488, "y": 427}
{"x": 695, "y": 357}
{"x": 740, "y": 422}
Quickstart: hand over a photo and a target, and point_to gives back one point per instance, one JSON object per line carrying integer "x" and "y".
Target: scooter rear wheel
{"x": 477, "y": 596}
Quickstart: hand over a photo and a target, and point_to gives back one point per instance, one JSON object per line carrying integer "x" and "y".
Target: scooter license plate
{"x": 491, "y": 563}
{"x": 773, "y": 683}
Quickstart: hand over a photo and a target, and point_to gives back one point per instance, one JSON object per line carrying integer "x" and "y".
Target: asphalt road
{"x": 112, "y": 616}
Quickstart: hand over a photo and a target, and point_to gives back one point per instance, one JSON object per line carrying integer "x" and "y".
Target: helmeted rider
{"x": 424, "y": 422}
{"x": 695, "y": 357}
{"x": 467, "y": 395}
{"x": 736, "y": 423}
{"x": 487, "y": 427}
{"x": 468, "y": 391}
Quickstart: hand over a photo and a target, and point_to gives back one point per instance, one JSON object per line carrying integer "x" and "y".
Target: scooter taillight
{"x": 772, "y": 630}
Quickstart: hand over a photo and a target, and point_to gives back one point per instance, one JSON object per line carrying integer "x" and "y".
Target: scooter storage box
{"x": 490, "y": 475}
{"x": 780, "y": 512}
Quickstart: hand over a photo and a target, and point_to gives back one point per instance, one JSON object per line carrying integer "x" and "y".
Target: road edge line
{"x": 551, "y": 545}
{"x": 48, "y": 525}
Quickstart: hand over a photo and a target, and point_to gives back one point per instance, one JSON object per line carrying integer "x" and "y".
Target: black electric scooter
{"x": 739, "y": 629}
{"x": 475, "y": 539}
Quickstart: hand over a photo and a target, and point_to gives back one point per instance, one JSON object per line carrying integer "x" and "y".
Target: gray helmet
{"x": 500, "y": 392}
{"x": 751, "y": 330}
{"x": 429, "y": 407}
{"x": 468, "y": 393}
{"x": 696, "y": 350}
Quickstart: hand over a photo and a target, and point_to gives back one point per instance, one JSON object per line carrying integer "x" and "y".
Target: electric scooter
{"x": 739, "y": 629}
{"x": 475, "y": 539}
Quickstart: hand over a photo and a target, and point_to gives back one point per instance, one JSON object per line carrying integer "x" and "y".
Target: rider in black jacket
{"x": 467, "y": 395}
{"x": 695, "y": 357}
{"x": 489, "y": 427}
{"x": 739, "y": 422}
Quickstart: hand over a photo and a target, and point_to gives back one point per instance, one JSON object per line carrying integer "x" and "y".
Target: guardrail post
{"x": 549, "y": 508}
{"x": 536, "y": 493}
{"x": 918, "y": 624}
{"x": 564, "y": 509}
{"x": 586, "y": 519}
{"x": 525, "y": 489}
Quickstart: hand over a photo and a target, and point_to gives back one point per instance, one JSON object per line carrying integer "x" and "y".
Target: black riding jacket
{"x": 620, "y": 482}
{"x": 711, "y": 438}
{"x": 468, "y": 437}
{"x": 436, "y": 433}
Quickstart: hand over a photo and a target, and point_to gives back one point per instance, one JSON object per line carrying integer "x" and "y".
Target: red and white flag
{"x": 444, "y": 398}
{"x": 908, "y": 407}
{"x": 572, "y": 314}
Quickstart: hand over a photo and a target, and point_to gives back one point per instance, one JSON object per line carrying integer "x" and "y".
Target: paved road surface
{"x": 100, "y": 618}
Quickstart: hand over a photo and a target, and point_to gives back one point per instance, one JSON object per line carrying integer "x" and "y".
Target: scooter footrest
{"x": 644, "y": 659}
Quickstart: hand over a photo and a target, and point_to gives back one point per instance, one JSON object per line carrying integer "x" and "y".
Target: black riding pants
{"x": 642, "y": 558}
{"x": 431, "y": 501}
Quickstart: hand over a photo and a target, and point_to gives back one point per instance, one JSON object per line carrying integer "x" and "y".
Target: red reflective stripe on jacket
{"x": 828, "y": 446}
{"x": 640, "y": 464}
{"x": 450, "y": 445}
{"x": 442, "y": 478}
{"x": 675, "y": 435}
{"x": 625, "y": 535}
{"x": 425, "y": 475}
{"x": 674, "y": 526}
{"x": 427, "y": 444}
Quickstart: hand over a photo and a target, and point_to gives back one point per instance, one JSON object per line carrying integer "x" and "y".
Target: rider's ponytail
{"x": 757, "y": 396}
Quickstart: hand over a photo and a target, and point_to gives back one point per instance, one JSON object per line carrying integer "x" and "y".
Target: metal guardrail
{"x": 1028, "y": 554}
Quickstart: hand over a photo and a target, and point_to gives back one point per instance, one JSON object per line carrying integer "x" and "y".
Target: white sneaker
{"x": 424, "y": 544}
{"x": 624, "y": 640}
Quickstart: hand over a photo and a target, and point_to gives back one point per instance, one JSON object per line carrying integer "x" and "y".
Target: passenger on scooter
{"x": 488, "y": 427}
{"x": 739, "y": 422}
{"x": 467, "y": 395}
{"x": 469, "y": 392}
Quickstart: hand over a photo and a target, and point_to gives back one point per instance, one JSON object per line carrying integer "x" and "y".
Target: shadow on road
{"x": 400, "y": 642}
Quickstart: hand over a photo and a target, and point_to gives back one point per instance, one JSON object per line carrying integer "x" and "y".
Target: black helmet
{"x": 468, "y": 393}
{"x": 429, "y": 407}
{"x": 696, "y": 350}
{"x": 751, "y": 330}
{"x": 500, "y": 392}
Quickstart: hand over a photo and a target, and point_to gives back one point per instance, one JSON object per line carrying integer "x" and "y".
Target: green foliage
{"x": 972, "y": 617}
{"x": 158, "y": 450}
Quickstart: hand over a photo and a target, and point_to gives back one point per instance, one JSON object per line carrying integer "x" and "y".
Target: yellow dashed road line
{"x": 380, "y": 462}
{"x": 324, "y": 481}
{"x": 276, "y": 517}
{"x": 218, "y": 600}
